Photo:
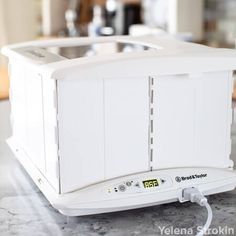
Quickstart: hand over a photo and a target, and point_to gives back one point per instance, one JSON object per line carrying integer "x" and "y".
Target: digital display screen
{"x": 151, "y": 183}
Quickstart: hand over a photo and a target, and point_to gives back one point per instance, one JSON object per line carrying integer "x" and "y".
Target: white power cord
{"x": 194, "y": 195}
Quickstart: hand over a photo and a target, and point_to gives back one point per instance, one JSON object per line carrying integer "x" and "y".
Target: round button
{"x": 128, "y": 184}
{"x": 163, "y": 181}
{"x": 122, "y": 188}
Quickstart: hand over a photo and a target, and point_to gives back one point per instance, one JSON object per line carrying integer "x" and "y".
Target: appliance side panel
{"x": 81, "y": 132}
{"x": 34, "y": 119}
{"x": 229, "y": 122}
{"x": 191, "y": 120}
{"x": 51, "y": 131}
{"x": 126, "y": 125}
{"x": 17, "y": 96}
{"x": 27, "y": 112}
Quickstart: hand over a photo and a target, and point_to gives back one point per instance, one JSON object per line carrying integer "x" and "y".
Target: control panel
{"x": 140, "y": 185}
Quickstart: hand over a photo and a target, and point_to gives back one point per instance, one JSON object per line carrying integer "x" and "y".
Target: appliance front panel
{"x": 126, "y": 103}
{"x": 192, "y": 118}
{"x": 81, "y": 132}
{"x": 103, "y": 129}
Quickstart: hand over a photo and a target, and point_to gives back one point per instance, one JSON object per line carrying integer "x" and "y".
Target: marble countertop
{"x": 24, "y": 211}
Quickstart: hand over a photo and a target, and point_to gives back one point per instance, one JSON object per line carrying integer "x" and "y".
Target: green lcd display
{"x": 151, "y": 183}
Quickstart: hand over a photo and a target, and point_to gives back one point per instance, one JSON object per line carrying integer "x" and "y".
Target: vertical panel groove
{"x": 151, "y": 121}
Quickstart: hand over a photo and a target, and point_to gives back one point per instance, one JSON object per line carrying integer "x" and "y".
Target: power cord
{"x": 194, "y": 195}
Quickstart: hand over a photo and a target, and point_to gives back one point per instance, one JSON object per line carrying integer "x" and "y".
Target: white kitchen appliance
{"x": 115, "y": 123}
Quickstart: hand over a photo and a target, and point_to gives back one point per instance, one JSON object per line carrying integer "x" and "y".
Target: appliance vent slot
{"x": 151, "y": 121}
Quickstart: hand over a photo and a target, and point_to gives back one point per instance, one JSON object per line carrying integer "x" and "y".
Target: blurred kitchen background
{"x": 211, "y": 22}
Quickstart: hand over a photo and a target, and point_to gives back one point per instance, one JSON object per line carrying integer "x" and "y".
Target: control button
{"x": 122, "y": 188}
{"x": 137, "y": 185}
{"x": 128, "y": 183}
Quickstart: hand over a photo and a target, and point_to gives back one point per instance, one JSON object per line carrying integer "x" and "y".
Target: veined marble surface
{"x": 24, "y": 211}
